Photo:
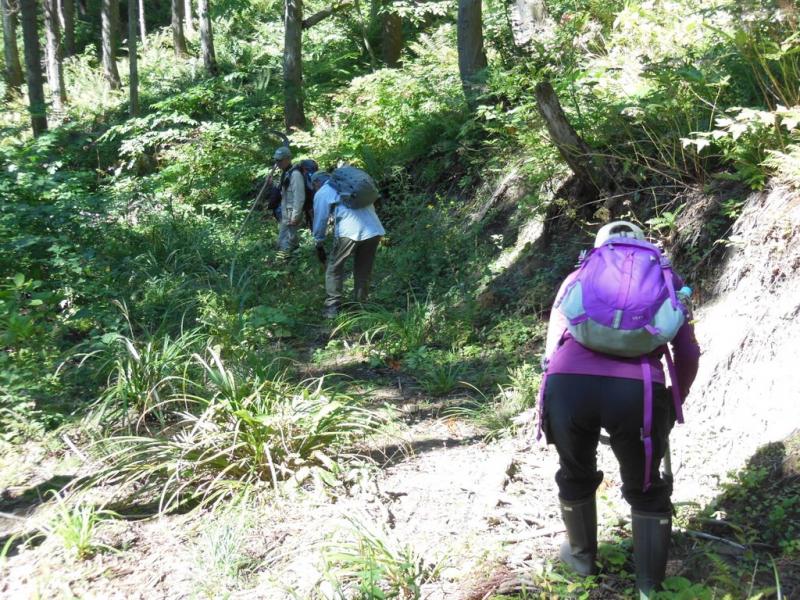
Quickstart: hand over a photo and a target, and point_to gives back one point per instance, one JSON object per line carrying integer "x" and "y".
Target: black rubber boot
{"x": 580, "y": 551}
{"x": 651, "y": 535}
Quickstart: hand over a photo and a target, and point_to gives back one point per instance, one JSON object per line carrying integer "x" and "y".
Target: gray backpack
{"x": 356, "y": 188}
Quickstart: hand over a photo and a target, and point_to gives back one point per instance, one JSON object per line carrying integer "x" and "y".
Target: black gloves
{"x": 321, "y": 255}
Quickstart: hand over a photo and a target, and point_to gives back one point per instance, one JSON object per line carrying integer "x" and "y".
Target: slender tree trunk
{"x": 294, "y": 115}
{"x": 66, "y": 15}
{"x": 142, "y": 24}
{"x": 573, "y": 149}
{"x": 187, "y": 16}
{"x": 33, "y": 67}
{"x": 55, "y": 66}
{"x": 133, "y": 64}
{"x": 13, "y": 72}
{"x": 109, "y": 13}
{"x": 392, "y": 38}
{"x": 82, "y": 8}
{"x": 206, "y": 37}
{"x": 178, "y": 39}
{"x": 471, "y": 55}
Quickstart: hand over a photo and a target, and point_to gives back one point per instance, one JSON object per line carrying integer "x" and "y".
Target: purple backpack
{"x": 623, "y": 302}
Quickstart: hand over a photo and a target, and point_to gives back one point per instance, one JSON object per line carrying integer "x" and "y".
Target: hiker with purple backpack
{"x": 611, "y": 324}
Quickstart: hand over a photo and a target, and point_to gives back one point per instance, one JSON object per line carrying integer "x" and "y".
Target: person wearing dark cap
{"x": 293, "y": 197}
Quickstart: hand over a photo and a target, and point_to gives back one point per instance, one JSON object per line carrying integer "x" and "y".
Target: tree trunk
{"x": 471, "y": 55}
{"x": 142, "y": 24}
{"x": 55, "y": 66}
{"x": 575, "y": 152}
{"x": 13, "y": 72}
{"x": 187, "y": 16}
{"x": 133, "y": 59}
{"x": 33, "y": 67}
{"x": 66, "y": 15}
{"x": 109, "y": 12}
{"x": 392, "y": 38}
{"x": 294, "y": 115}
{"x": 206, "y": 37}
{"x": 178, "y": 39}
{"x": 527, "y": 17}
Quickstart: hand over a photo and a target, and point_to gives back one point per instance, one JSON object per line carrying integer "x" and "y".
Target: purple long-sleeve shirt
{"x": 566, "y": 355}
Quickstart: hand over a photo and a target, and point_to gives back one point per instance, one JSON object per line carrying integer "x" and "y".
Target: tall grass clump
{"x": 369, "y": 563}
{"x": 72, "y": 525}
{"x": 143, "y": 373}
{"x": 395, "y": 332}
{"x": 499, "y": 416}
{"x": 232, "y": 433}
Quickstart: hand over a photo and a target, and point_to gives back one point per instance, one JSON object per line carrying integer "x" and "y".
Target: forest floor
{"x": 477, "y": 517}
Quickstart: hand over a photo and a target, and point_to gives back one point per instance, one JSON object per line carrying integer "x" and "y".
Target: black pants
{"x": 577, "y": 406}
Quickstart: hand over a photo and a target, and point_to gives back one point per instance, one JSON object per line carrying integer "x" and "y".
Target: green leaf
{"x": 109, "y": 338}
{"x": 19, "y": 279}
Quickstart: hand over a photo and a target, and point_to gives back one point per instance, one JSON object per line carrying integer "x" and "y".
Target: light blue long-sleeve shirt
{"x": 354, "y": 223}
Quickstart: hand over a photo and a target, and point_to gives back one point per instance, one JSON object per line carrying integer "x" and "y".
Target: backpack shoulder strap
{"x": 287, "y": 176}
{"x": 647, "y": 425}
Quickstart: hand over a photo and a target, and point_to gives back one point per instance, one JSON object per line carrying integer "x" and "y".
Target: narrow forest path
{"x": 461, "y": 504}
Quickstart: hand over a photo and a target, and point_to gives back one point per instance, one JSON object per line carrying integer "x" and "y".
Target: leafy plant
{"x": 374, "y": 565}
{"x": 667, "y": 220}
{"x": 143, "y": 374}
{"x": 240, "y": 434}
{"x": 498, "y": 416}
{"x": 73, "y": 524}
{"x": 394, "y": 332}
{"x": 440, "y": 378}
{"x": 76, "y": 526}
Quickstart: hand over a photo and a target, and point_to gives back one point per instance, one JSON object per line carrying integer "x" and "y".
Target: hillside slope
{"x": 747, "y": 388}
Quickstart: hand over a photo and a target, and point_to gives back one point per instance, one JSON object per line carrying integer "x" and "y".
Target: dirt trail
{"x": 470, "y": 508}
{"x": 450, "y": 496}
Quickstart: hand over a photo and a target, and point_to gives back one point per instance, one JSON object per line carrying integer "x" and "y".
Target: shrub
{"x": 232, "y": 434}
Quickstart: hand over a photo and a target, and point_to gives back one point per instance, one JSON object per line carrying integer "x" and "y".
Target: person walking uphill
{"x": 293, "y": 198}
{"x": 610, "y": 325}
{"x": 356, "y": 232}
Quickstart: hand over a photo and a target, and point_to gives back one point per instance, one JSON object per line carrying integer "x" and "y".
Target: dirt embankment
{"x": 748, "y": 387}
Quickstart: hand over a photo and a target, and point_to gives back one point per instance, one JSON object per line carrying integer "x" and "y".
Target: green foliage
{"x": 763, "y": 501}
{"x": 143, "y": 375}
{"x": 666, "y": 221}
{"x": 373, "y": 565}
{"x": 148, "y": 213}
{"x": 393, "y": 116}
{"x": 73, "y": 525}
{"x": 231, "y": 434}
{"x": 394, "y": 332}
{"x": 498, "y": 416}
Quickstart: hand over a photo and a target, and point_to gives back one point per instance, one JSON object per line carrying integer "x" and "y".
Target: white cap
{"x": 617, "y": 229}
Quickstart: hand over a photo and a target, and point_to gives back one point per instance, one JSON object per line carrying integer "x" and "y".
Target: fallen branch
{"x": 530, "y": 535}
{"x": 323, "y": 14}
{"x": 707, "y": 536}
{"x": 71, "y": 445}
